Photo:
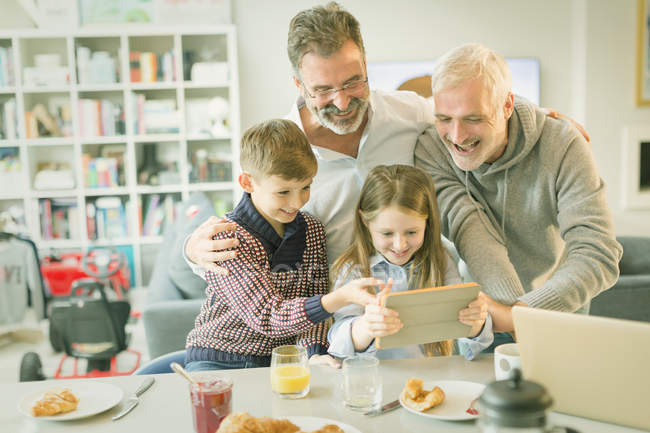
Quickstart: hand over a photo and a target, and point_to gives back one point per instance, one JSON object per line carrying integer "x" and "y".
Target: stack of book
{"x": 99, "y": 172}
{"x": 159, "y": 212}
{"x": 59, "y": 218}
{"x": 99, "y": 118}
{"x": 106, "y": 219}
{"x": 148, "y": 67}
{"x": 205, "y": 167}
{"x": 6, "y": 67}
{"x": 155, "y": 116}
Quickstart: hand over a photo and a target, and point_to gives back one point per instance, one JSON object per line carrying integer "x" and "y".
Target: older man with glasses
{"x": 351, "y": 128}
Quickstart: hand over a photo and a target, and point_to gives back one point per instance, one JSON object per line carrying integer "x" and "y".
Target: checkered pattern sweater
{"x": 271, "y": 296}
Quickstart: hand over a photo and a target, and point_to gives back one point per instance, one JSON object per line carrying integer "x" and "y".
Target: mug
{"x": 506, "y": 358}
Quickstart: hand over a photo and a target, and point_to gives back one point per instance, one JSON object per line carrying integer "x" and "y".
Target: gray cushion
{"x": 636, "y": 255}
{"x": 197, "y": 208}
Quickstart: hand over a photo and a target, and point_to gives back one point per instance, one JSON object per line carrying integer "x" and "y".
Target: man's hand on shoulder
{"x": 205, "y": 251}
{"x": 557, "y": 115}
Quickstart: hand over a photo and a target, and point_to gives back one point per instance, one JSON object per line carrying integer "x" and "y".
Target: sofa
{"x": 175, "y": 293}
{"x": 629, "y": 298}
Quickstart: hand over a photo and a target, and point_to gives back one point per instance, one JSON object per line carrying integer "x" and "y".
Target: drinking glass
{"x": 362, "y": 384}
{"x": 290, "y": 371}
{"x": 211, "y": 400}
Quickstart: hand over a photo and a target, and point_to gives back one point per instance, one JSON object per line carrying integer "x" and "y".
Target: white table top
{"x": 166, "y": 406}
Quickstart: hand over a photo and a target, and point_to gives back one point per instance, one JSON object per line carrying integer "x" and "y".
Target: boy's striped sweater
{"x": 271, "y": 295}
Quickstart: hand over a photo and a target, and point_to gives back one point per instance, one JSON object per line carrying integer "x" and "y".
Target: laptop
{"x": 593, "y": 367}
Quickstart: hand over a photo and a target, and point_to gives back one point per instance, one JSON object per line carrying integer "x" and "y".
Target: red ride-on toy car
{"x": 60, "y": 271}
{"x": 87, "y": 325}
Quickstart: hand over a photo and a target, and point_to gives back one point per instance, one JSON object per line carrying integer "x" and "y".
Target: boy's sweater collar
{"x": 283, "y": 250}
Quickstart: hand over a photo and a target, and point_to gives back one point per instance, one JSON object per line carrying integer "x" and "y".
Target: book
{"x": 111, "y": 211}
{"x": 134, "y": 66}
{"x": 9, "y": 120}
{"x": 428, "y": 315}
{"x": 150, "y": 214}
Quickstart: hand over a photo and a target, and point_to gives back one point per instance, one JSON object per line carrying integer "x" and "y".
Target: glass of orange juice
{"x": 289, "y": 371}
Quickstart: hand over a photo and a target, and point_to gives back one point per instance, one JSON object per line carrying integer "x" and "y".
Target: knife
{"x": 385, "y": 408}
{"x": 133, "y": 401}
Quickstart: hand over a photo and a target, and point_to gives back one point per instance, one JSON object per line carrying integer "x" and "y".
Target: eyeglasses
{"x": 323, "y": 95}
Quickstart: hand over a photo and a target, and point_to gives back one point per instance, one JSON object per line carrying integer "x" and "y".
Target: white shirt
{"x": 340, "y": 334}
{"x": 395, "y": 120}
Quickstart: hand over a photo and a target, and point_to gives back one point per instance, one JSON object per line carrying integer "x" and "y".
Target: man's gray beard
{"x": 341, "y": 127}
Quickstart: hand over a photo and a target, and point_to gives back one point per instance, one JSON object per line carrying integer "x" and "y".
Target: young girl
{"x": 397, "y": 236}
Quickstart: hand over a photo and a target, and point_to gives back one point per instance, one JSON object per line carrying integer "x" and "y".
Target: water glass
{"x": 211, "y": 400}
{"x": 290, "y": 371}
{"x": 362, "y": 384}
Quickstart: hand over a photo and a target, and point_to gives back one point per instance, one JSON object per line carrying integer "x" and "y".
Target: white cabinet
{"x": 104, "y": 132}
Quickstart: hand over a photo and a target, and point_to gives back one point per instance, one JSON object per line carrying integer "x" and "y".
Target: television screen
{"x": 392, "y": 75}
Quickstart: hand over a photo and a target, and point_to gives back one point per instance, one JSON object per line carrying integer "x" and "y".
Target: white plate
{"x": 311, "y": 423}
{"x": 94, "y": 398}
{"x": 458, "y": 395}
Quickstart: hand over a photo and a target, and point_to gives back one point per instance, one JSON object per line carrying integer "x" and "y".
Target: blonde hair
{"x": 471, "y": 61}
{"x": 411, "y": 189}
{"x": 322, "y": 30}
{"x": 277, "y": 147}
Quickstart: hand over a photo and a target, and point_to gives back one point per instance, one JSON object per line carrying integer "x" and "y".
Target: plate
{"x": 311, "y": 423}
{"x": 458, "y": 396}
{"x": 94, "y": 398}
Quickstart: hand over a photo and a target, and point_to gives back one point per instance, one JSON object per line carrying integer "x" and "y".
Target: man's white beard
{"x": 341, "y": 127}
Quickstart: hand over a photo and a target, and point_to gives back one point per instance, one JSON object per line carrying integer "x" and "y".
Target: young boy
{"x": 276, "y": 289}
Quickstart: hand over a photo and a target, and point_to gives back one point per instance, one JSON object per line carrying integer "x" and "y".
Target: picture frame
{"x": 635, "y": 193}
{"x": 643, "y": 53}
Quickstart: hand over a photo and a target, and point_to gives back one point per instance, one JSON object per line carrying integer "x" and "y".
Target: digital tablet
{"x": 428, "y": 315}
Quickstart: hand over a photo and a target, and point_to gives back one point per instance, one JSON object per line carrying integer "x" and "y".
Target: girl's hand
{"x": 378, "y": 321}
{"x": 475, "y": 314}
{"x": 328, "y": 360}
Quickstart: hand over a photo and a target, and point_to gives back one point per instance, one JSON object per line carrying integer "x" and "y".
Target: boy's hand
{"x": 328, "y": 360}
{"x": 205, "y": 251}
{"x": 475, "y": 314}
{"x": 354, "y": 292}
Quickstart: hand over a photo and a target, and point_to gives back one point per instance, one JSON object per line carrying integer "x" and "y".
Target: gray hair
{"x": 322, "y": 30}
{"x": 471, "y": 61}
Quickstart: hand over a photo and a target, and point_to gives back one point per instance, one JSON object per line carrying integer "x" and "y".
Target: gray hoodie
{"x": 534, "y": 225}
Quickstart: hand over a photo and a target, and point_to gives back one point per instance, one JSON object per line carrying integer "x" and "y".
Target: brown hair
{"x": 408, "y": 188}
{"x": 322, "y": 30}
{"x": 277, "y": 147}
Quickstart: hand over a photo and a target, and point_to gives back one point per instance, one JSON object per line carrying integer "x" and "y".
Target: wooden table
{"x": 166, "y": 406}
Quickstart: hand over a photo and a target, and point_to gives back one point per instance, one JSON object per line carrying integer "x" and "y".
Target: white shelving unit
{"x": 177, "y": 150}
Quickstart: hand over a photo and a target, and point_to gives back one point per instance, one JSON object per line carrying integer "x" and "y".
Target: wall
{"x": 423, "y": 30}
{"x": 586, "y": 49}
{"x": 610, "y": 94}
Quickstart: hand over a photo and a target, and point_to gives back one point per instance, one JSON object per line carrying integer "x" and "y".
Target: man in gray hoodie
{"x": 519, "y": 193}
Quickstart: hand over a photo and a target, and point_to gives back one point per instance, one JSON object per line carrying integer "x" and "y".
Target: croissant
{"x": 415, "y": 397}
{"x": 242, "y": 422}
{"x": 54, "y": 402}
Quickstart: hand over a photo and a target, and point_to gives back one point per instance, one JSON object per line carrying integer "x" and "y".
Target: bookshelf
{"x": 104, "y": 132}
